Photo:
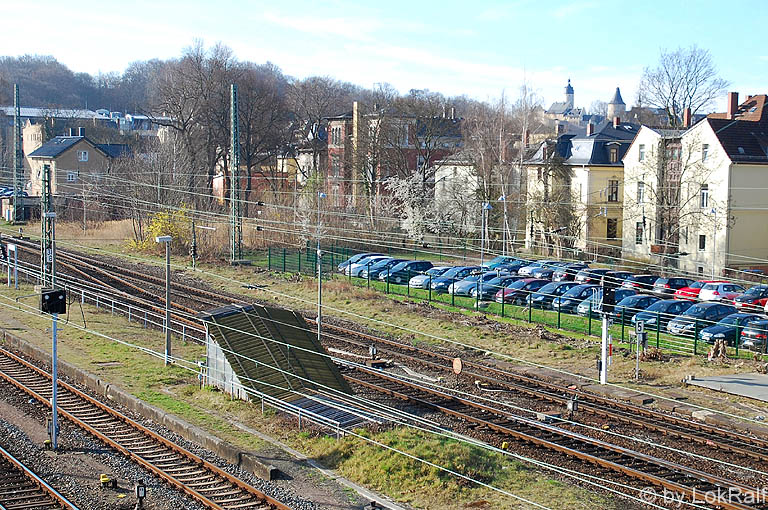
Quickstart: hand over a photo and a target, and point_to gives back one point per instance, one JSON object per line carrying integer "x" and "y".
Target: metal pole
{"x": 18, "y": 158}
{"x": 604, "y": 352}
{"x": 167, "y": 302}
{"x": 714, "y": 236}
{"x": 54, "y": 376}
{"x": 236, "y": 218}
{"x": 319, "y": 291}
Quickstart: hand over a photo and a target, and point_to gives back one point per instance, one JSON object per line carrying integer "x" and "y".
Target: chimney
{"x": 453, "y": 112}
{"x": 687, "y": 118}
{"x": 616, "y": 122}
{"x": 590, "y": 129}
{"x": 81, "y": 131}
{"x": 559, "y": 128}
{"x": 733, "y": 104}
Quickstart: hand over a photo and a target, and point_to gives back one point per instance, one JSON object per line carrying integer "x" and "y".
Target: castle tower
{"x": 569, "y": 94}
{"x": 616, "y": 108}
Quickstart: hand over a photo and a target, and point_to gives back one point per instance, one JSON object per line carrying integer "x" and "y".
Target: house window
{"x": 614, "y": 154}
{"x": 71, "y": 176}
{"x": 613, "y": 191}
{"x": 704, "y": 151}
{"x": 640, "y": 192}
{"x": 704, "y": 196}
{"x": 700, "y": 270}
{"x": 674, "y": 153}
{"x": 639, "y": 232}
{"x": 702, "y": 242}
{"x": 82, "y": 155}
{"x": 612, "y": 228}
{"x": 641, "y": 152}
{"x": 335, "y": 166}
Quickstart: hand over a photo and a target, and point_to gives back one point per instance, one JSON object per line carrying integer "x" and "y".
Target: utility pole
{"x": 236, "y": 218}
{"x": 167, "y": 241}
{"x": 18, "y": 159}
{"x": 320, "y": 195}
{"x": 48, "y": 232}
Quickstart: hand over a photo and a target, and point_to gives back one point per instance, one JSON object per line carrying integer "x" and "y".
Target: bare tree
{"x": 683, "y": 78}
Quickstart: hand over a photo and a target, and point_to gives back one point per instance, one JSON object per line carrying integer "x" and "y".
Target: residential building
{"x": 75, "y": 162}
{"x": 575, "y": 188}
{"x": 695, "y": 198}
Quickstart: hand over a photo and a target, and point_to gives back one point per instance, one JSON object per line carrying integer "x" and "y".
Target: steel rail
{"x": 22, "y": 488}
{"x": 661, "y": 473}
{"x": 201, "y": 480}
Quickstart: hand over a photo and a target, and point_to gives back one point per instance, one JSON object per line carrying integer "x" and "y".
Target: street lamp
{"x": 167, "y": 240}
{"x": 320, "y": 195}
{"x": 503, "y": 198}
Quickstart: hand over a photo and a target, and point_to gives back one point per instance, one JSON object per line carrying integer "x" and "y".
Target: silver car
{"x": 421, "y": 281}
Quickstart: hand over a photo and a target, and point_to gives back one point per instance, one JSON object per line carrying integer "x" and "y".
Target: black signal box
{"x": 53, "y": 301}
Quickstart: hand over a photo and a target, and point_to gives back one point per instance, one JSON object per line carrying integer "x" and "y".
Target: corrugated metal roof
{"x": 257, "y": 341}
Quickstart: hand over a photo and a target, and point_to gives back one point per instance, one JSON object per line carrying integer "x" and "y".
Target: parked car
{"x": 401, "y": 273}
{"x": 530, "y": 268}
{"x": 379, "y": 267}
{"x": 754, "y": 336}
{"x": 442, "y": 282}
{"x": 592, "y": 275}
{"x": 628, "y": 307}
{"x": 465, "y": 286}
{"x": 691, "y": 291}
{"x": 421, "y": 281}
{"x": 617, "y": 277}
{"x": 568, "y": 302}
{"x": 355, "y": 268}
{"x": 517, "y": 292}
{"x": 662, "y": 312}
{"x": 491, "y": 287}
{"x": 568, "y": 272}
{"x": 501, "y": 260}
{"x": 641, "y": 282}
{"x": 666, "y": 286}
{"x": 356, "y": 258}
{"x": 728, "y": 328}
{"x": 703, "y": 314}
{"x": 543, "y": 297}
{"x": 513, "y": 267}
{"x": 547, "y": 272}
{"x": 753, "y": 300}
{"x": 720, "y": 291}
{"x": 595, "y": 301}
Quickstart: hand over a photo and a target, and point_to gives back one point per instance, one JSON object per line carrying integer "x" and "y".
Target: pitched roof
{"x": 55, "y": 146}
{"x": 743, "y": 141}
{"x": 114, "y": 150}
{"x": 580, "y": 149}
{"x": 59, "y": 113}
{"x": 754, "y": 109}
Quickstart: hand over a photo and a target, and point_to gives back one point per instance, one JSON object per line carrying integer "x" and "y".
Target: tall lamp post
{"x": 503, "y": 199}
{"x": 320, "y": 196}
{"x": 714, "y": 237}
{"x": 167, "y": 240}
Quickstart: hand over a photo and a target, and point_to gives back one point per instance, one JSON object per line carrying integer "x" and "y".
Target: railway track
{"x": 22, "y": 489}
{"x": 198, "y": 478}
{"x": 661, "y": 473}
{"x": 679, "y": 479}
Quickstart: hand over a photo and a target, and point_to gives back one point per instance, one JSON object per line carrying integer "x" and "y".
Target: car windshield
{"x": 761, "y": 324}
{"x": 453, "y": 271}
{"x": 399, "y": 266}
{"x": 519, "y": 284}
{"x": 575, "y": 291}
{"x": 710, "y": 286}
{"x": 697, "y": 310}
{"x": 662, "y": 306}
{"x": 436, "y": 271}
{"x": 499, "y": 280}
{"x": 754, "y": 291}
{"x": 697, "y": 285}
{"x": 730, "y": 321}
{"x": 629, "y": 301}
{"x": 549, "y": 288}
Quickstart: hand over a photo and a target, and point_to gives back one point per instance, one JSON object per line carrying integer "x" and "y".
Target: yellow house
{"x": 75, "y": 162}
{"x": 578, "y": 179}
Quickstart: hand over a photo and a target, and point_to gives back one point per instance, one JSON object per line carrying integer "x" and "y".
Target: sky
{"x": 478, "y": 49}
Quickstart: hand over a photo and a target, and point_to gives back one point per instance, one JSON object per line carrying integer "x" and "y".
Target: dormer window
{"x": 613, "y": 154}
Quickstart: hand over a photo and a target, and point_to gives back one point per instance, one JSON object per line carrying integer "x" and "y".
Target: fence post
{"x": 408, "y": 283}
{"x": 658, "y": 328}
{"x": 695, "y": 336}
{"x": 298, "y": 259}
{"x": 738, "y": 337}
{"x": 502, "y": 302}
{"x": 387, "y": 291}
{"x": 284, "y": 260}
{"x": 589, "y": 318}
{"x": 558, "y": 314}
{"x": 429, "y": 291}
{"x": 530, "y": 310}
{"x": 622, "y": 323}
{"x": 369, "y": 275}
{"x": 477, "y": 293}
{"x": 453, "y": 297}
{"x": 269, "y": 258}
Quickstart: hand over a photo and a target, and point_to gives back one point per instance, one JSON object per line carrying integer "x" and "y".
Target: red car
{"x": 517, "y": 292}
{"x": 754, "y": 299}
{"x": 692, "y": 291}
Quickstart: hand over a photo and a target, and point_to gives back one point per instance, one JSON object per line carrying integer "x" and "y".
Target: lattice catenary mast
{"x": 236, "y": 216}
{"x": 18, "y": 159}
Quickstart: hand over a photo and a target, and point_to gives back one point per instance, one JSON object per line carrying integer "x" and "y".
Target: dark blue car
{"x": 728, "y": 328}
{"x": 441, "y": 284}
{"x": 661, "y": 312}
